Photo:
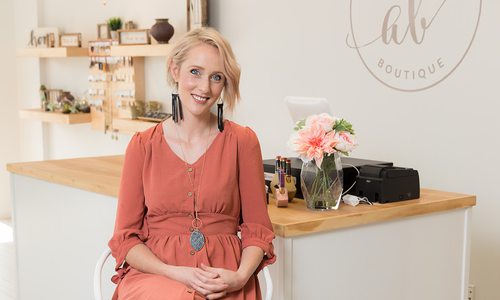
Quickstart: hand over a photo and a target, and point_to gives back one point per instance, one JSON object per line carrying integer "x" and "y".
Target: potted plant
{"x": 114, "y": 25}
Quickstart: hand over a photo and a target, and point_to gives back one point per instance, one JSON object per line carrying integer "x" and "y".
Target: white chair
{"x": 105, "y": 255}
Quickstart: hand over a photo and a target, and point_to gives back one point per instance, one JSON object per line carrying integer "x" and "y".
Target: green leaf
{"x": 299, "y": 125}
{"x": 343, "y": 125}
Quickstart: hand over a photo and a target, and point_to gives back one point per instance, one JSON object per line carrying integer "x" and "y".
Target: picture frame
{"x": 44, "y": 37}
{"x": 134, "y": 37}
{"x": 70, "y": 40}
{"x": 103, "y": 31}
{"x": 197, "y": 14}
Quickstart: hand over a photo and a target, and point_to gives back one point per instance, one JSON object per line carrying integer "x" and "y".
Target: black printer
{"x": 384, "y": 184}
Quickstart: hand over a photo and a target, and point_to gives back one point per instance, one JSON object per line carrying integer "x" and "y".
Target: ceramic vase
{"x": 162, "y": 31}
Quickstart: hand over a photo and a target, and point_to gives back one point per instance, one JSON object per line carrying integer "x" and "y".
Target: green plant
{"x": 115, "y": 23}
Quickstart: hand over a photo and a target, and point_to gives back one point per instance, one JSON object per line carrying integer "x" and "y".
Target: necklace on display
{"x": 197, "y": 239}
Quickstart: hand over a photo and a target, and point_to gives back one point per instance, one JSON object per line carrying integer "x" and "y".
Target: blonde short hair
{"x": 210, "y": 36}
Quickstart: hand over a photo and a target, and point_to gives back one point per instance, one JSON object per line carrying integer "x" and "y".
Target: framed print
{"x": 71, "y": 40}
{"x": 197, "y": 14}
{"x": 103, "y": 31}
{"x": 133, "y": 37}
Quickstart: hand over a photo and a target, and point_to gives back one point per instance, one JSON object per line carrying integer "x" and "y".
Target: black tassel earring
{"x": 176, "y": 108}
{"x": 220, "y": 116}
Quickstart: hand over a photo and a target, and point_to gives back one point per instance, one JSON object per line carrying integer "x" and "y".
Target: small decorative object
{"x": 133, "y": 37}
{"x": 103, "y": 31}
{"x": 153, "y": 112}
{"x": 153, "y": 106}
{"x": 154, "y": 116}
{"x": 131, "y": 109}
{"x": 53, "y": 95}
{"x": 44, "y": 97}
{"x": 71, "y": 40}
{"x": 129, "y": 25}
{"x": 51, "y": 40}
{"x": 197, "y": 14}
{"x": 319, "y": 141}
{"x": 82, "y": 106}
{"x": 66, "y": 102}
{"x": 114, "y": 25}
{"x": 162, "y": 31}
{"x": 44, "y": 37}
{"x": 137, "y": 108}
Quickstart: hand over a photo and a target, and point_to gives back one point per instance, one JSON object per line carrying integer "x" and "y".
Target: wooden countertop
{"x": 95, "y": 174}
{"x": 102, "y": 175}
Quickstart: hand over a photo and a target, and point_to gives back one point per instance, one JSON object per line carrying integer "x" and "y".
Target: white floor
{"x": 8, "y": 276}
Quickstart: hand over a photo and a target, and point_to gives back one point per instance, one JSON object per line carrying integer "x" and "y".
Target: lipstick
{"x": 281, "y": 192}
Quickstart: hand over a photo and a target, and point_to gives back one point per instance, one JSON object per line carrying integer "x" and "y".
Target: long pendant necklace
{"x": 197, "y": 239}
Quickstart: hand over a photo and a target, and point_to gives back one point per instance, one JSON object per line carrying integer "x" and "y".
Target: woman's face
{"x": 200, "y": 79}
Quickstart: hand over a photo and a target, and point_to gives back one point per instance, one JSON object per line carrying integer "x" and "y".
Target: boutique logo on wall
{"x": 412, "y": 45}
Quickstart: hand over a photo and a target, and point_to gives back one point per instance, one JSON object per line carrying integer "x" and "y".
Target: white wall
{"x": 298, "y": 47}
{"x": 8, "y": 130}
{"x": 64, "y": 141}
{"x": 449, "y": 133}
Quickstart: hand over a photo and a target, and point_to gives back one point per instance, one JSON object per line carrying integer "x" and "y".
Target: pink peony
{"x": 346, "y": 142}
{"x": 313, "y": 142}
{"x": 325, "y": 121}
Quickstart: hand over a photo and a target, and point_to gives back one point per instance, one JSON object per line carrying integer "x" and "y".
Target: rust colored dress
{"x": 155, "y": 207}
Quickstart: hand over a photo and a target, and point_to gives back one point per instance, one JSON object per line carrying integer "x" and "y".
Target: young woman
{"x": 189, "y": 185}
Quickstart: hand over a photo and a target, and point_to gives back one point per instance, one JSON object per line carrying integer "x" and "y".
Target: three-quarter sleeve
{"x": 130, "y": 228}
{"x": 256, "y": 227}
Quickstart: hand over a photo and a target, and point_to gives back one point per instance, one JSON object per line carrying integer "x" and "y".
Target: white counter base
{"x": 415, "y": 258}
{"x": 60, "y": 233}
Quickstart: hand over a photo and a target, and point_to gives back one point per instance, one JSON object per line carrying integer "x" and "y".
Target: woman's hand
{"x": 202, "y": 281}
{"x": 233, "y": 280}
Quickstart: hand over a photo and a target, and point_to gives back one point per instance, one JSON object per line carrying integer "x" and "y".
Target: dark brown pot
{"x": 162, "y": 31}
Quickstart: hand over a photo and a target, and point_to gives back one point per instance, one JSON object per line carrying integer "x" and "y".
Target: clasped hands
{"x": 212, "y": 283}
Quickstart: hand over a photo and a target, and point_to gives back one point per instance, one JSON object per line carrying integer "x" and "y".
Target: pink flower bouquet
{"x": 318, "y": 141}
{"x": 321, "y": 135}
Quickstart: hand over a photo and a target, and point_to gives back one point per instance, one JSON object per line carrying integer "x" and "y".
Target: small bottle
{"x": 277, "y": 164}
{"x": 275, "y": 181}
{"x": 288, "y": 170}
{"x": 290, "y": 181}
{"x": 283, "y": 164}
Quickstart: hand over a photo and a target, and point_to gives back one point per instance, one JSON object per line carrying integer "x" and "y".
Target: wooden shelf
{"x": 53, "y": 52}
{"x": 131, "y": 126}
{"x": 132, "y": 50}
{"x": 54, "y": 117}
{"x": 141, "y": 50}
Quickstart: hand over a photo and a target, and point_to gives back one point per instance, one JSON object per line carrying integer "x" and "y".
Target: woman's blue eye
{"x": 217, "y": 77}
{"x": 195, "y": 71}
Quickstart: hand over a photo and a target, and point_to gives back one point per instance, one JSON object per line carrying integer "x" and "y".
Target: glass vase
{"x": 322, "y": 187}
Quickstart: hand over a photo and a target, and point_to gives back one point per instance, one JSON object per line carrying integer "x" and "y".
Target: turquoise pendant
{"x": 197, "y": 240}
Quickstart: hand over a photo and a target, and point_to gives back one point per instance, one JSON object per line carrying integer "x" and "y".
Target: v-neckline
{"x": 164, "y": 139}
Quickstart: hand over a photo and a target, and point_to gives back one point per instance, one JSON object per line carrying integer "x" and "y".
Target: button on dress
{"x": 156, "y": 205}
